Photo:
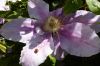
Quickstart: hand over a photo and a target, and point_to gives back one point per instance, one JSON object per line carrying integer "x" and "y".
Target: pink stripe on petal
{"x": 86, "y": 17}
{"x": 83, "y": 41}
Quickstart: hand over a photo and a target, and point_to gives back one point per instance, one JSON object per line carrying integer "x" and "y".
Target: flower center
{"x": 52, "y": 24}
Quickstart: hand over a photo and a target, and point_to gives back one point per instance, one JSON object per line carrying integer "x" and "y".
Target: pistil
{"x": 52, "y": 24}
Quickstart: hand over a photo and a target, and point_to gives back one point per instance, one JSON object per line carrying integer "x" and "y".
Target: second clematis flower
{"x": 3, "y": 6}
{"x": 53, "y": 33}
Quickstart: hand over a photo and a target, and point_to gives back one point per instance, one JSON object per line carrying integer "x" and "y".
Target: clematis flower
{"x": 3, "y": 6}
{"x": 13, "y": 0}
{"x": 53, "y": 33}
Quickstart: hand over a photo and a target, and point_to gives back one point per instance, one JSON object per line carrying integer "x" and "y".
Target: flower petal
{"x": 38, "y": 9}
{"x": 80, "y": 41}
{"x": 18, "y": 30}
{"x": 3, "y": 6}
{"x": 59, "y": 53}
{"x": 96, "y": 27}
{"x": 14, "y": 0}
{"x": 56, "y": 12}
{"x": 2, "y": 21}
{"x": 86, "y": 17}
{"x": 66, "y": 19}
{"x": 34, "y": 56}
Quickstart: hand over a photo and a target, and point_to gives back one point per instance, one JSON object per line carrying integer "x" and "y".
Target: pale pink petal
{"x": 38, "y": 9}
{"x": 86, "y": 17}
{"x": 80, "y": 40}
{"x": 96, "y": 27}
{"x": 82, "y": 16}
{"x": 2, "y": 21}
{"x": 4, "y": 8}
{"x": 67, "y": 19}
{"x": 18, "y": 30}
{"x": 56, "y": 12}
{"x": 59, "y": 53}
{"x": 34, "y": 56}
{"x": 14, "y": 0}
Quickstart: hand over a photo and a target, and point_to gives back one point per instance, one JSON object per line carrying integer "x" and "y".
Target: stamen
{"x": 52, "y": 24}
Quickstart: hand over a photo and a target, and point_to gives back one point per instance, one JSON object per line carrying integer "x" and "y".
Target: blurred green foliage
{"x": 94, "y": 6}
{"x": 3, "y": 46}
{"x": 18, "y": 9}
{"x": 72, "y": 5}
{"x": 11, "y": 58}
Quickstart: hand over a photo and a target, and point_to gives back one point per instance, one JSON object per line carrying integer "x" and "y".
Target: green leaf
{"x": 3, "y": 48}
{"x": 53, "y": 59}
{"x": 10, "y": 60}
{"x": 72, "y": 5}
{"x": 94, "y": 6}
{"x": 50, "y": 61}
